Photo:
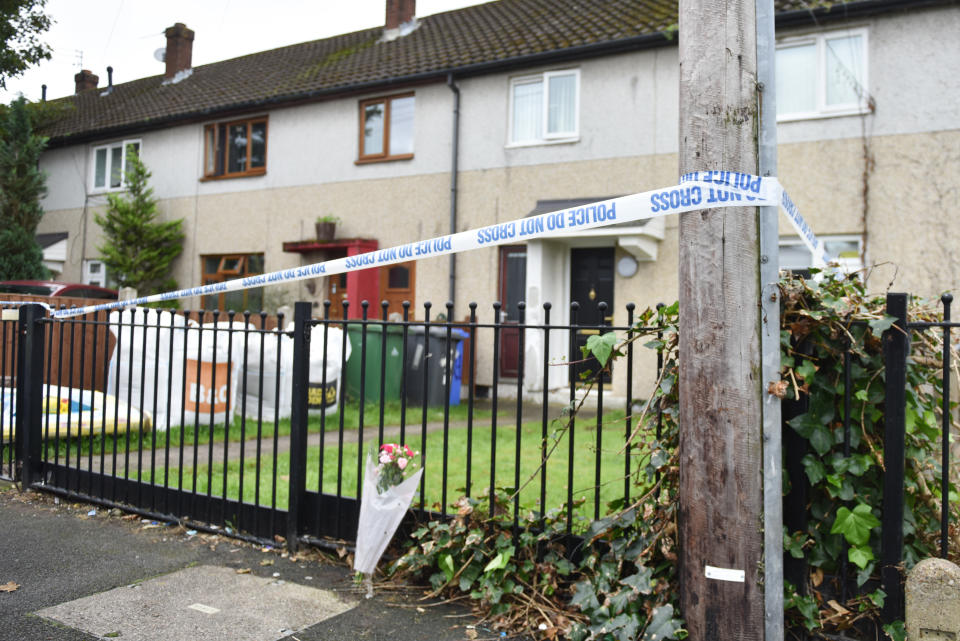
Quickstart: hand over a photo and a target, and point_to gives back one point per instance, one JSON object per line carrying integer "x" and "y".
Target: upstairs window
{"x": 386, "y": 128}
{"x": 110, "y": 162}
{"x": 545, "y": 107}
{"x": 822, "y": 75}
{"x": 233, "y": 149}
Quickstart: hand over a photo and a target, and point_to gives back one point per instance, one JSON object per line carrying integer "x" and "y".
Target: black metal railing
{"x": 213, "y": 420}
{"x": 217, "y": 420}
{"x": 896, "y": 353}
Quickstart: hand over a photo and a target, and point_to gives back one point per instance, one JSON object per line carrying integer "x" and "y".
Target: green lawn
{"x": 346, "y": 467}
{"x": 247, "y": 428}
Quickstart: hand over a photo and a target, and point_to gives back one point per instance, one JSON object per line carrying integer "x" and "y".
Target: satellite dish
{"x": 160, "y": 54}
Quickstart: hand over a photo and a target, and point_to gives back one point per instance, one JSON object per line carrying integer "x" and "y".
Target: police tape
{"x": 697, "y": 190}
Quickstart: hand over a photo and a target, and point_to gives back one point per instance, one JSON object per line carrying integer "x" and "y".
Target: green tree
{"x": 138, "y": 250}
{"x": 22, "y": 184}
{"x": 20, "y": 256}
{"x": 21, "y": 23}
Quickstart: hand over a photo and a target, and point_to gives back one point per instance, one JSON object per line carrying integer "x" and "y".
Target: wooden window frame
{"x": 222, "y": 151}
{"x": 222, "y": 275}
{"x": 364, "y": 158}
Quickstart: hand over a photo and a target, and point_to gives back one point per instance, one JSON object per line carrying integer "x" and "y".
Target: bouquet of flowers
{"x": 395, "y": 460}
{"x": 386, "y": 497}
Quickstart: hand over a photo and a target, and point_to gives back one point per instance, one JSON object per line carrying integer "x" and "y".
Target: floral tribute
{"x": 396, "y": 461}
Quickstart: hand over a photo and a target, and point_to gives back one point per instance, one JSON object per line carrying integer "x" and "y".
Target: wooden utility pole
{"x": 721, "y": 500}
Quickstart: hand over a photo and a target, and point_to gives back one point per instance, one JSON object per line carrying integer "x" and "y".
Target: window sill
{"x": 824, "y": 114}
{"x": 370, "y": 161}
{"x": 102, "y": 191}
{"x": 248, "y": 174}
{"x": 542, "y": 143}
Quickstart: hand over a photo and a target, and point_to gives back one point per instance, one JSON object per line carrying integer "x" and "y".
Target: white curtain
{"x": 562, "y": 107}
{"x": 797, "y": 79}
{"x": 527, "y": 111}
{"x": 401, "y": 126}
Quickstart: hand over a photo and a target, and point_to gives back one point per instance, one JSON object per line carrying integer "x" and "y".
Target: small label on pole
{"x": 725, "y": 574}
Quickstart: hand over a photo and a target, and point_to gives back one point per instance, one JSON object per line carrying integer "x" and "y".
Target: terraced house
{"x": 500, "y": 110}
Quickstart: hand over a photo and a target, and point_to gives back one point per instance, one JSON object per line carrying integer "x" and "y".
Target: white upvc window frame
{"x": 110, "y": 148}
{"x": 823, "y": 110}
{"x": 95, "y": 273}
{"x": 546, "y": 137}
{"x": 846, "y": 264}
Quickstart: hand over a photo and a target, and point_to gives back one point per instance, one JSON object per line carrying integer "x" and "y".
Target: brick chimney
{"x": 85, "y": 80}
{"x": 179, "y": 49}
{"x": 399, "y": 12}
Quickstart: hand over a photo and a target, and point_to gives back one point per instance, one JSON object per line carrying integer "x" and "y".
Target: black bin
{"x": 436, "y": 356}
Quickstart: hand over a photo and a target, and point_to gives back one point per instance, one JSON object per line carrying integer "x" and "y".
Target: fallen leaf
{"x": 778, "y": 389}
{"x": 243, "y": 571}
{"x": 836, "y": 606}
{"x": 266, "y": 562}
{"x": 341, "y": 551}
{"x": 471, "y": 634}
{"x": 279, "y": 539}
{"x": 9, "y": 587}
{"x": 816, "y": 577}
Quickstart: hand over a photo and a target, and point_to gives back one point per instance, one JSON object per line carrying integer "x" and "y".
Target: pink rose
{"x": 401, "y": 463}
{"x": 384, "y": 458}
{"x": 387, "y": 448}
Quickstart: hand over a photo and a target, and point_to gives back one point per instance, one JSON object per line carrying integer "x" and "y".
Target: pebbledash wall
{"x": 890, "y": 177}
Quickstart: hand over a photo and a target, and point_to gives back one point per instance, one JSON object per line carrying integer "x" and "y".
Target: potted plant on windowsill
{"x": 326, "y": 228}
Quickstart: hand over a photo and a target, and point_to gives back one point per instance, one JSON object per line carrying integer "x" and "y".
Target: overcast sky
{"x": 125, "y": 33}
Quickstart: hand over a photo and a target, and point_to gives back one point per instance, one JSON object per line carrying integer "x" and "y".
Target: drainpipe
{"x": 453, "y": 182}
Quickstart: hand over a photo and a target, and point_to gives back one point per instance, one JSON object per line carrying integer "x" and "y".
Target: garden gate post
{"x": 298, "y": 421}
{"x": 29, "y": 407}
{"x": 896, "y": 346}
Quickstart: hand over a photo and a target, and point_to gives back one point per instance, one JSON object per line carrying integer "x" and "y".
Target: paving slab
{"x": 203, "y": 603}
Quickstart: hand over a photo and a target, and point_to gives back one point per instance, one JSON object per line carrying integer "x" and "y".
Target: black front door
{"x": 513, "y": 290}
{"x": 591, "y": 282}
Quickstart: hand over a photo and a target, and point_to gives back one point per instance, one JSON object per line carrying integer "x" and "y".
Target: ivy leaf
{"x": 814, "y": 468}
{"x": 601, "y": 346}
{"x": 896, "y": 631}
{"x": 821, "y": 439}
{"x": 881, "y": 325}
{"x": 641, "y": 581}
{"x": 860, "y": 555}
{"x": 446, "y": 565}
{"x": 584, "y": 597}
{"x": 624, "y": 626}
{"x": 856, "y": 525}
{"x": 468, "y": 577}
{"x": 500, "y": 561}
{"x": 662, "y": 624}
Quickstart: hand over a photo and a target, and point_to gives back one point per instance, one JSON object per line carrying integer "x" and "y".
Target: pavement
{"x": 77, "y": 572}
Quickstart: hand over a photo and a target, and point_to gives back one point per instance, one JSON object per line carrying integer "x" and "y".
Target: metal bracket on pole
{"x": 770, "y": 330}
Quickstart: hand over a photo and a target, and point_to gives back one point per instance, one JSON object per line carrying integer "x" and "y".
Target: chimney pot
{"x": 110, "y": 77}
{"x": 85, "y": 80}
{"x": 179, "y": 49}
{"x": 399, "y": 12}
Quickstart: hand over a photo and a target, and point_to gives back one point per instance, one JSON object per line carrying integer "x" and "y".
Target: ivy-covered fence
{"x": 867, "y": 427}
